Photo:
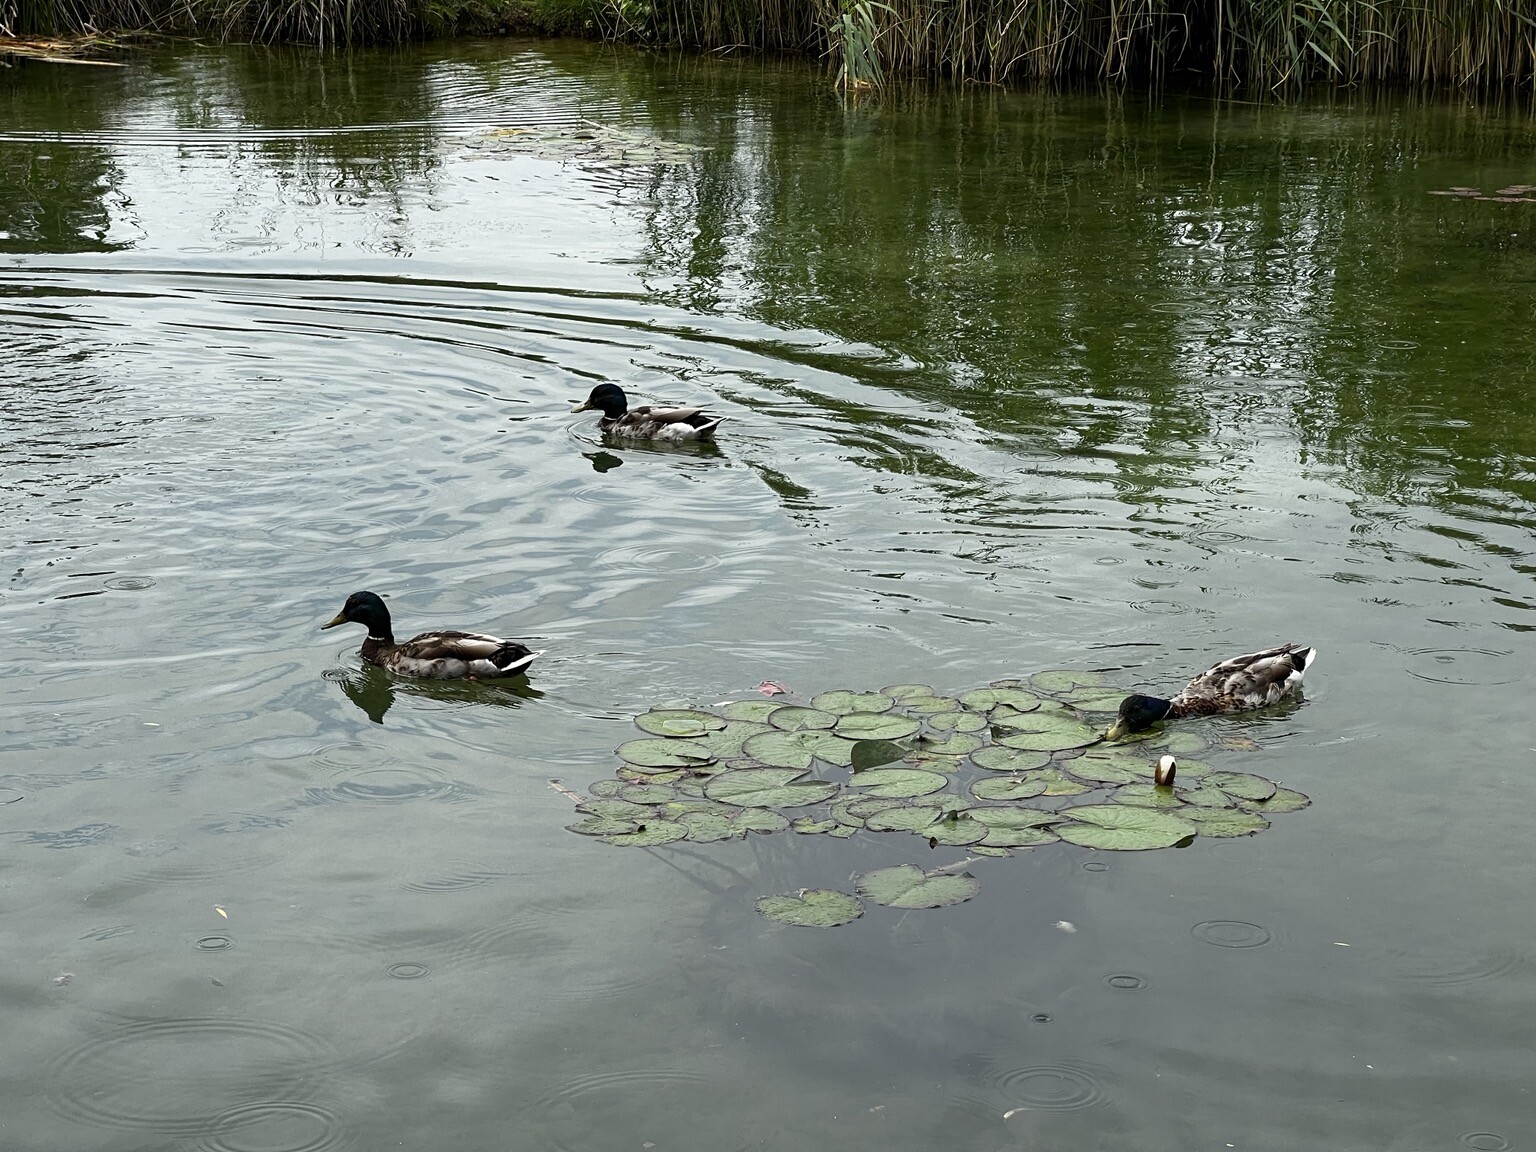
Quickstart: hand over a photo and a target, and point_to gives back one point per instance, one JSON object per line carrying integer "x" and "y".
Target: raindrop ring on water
{"x": 1486, "y": 1141}
{"x": 1126, "y": 981}
{"x": 1231, "y": 933}
{"x": 1052, "y": 1087}
{"x": 407, "y": 970}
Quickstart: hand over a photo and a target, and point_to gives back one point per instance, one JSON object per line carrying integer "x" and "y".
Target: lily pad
{"x": 989, "y": 850}
{"x": 986, "y": 699}
{"x": 876, "y": 726}
{"x": 957, "y": 721}
{"x": 759, "y": 820}
{"x": 647, "y": 793}
{"x": 857, "y": 809}
{"x": 1100, "y": 771}
{"x": 908, "y": 886}
{"x": 1148, "y": 796}
{"x": 768, "y": 788}
{"x": 842, "y": 703}
{"x": 602, "y": 826}
{"x": 1284, "y": 800}
{"x": 812, "y": 908}
{"x": 1203, "y": 796}
{"x": 604, "y": 788}
{"x": 616, "y": 809}
{"x": 996, "y": 758}
{"x": 708, "y": 827}
{"x": 955, "y": 744}
{"x": 842, "y": 831}
{"x": 650, "y": 835}
{"x": 1015, "y": 816}
{"x": 1119, "y": 828}
{"x": 808, "y": 826}
{"x": 1242, "y": 785}
{"x": 753, "y": 710}
{"x": 929, "y": 705}
{"x": 637, "y": 775}
{"x": 1048, "y": 732}
{"x": 1184, "y": 743}
{"x": 726, "y": 742}
{"x": 868, "y": 754}
{"x": 664, "y": 753}
{"x": 798, "y": 749}
{"x": 1226, "y": 821}
{"x": 901, "y": 692}
{"x": 1058, "y": 784}
{"x": 1056, "y": 682}
{"x": 791, "y": 718}
{"x": 678, "y": 722}
{"x": 894, "y": 782}
{"x": 1095, "y": 699}
{"x": 1007, "y": 837}
{"x": 955, "y": 829}
{"x": 1008, "y": 788}
{"x": 907, "y": 818}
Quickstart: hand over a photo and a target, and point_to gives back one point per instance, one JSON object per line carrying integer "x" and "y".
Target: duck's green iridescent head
{"x": 364, "y": 608}
{"x": 1137, "y": 714}
{"x": 609, "y": 399}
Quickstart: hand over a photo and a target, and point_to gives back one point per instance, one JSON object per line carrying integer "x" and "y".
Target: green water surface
{"x": 1012, "y": 381}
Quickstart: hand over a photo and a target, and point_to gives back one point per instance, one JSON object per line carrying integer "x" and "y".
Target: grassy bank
{"x": 1278, "y": 45}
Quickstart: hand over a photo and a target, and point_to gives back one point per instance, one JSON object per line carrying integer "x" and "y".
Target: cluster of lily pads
{"x": 586, "y": 141}
{"x": 1012, "y": 766}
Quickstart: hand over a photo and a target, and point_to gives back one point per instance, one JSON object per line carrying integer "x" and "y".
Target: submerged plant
{"x": 1010, "y": 767}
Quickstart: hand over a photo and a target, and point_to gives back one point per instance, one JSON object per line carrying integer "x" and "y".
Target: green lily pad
{"x": 616, "y": 809}
{"x": 678, "y": 722}
{"x": 901, "y": 692}
{"x": 1242, "y": 785}
{"x": 690, "y": 786}
{"x": 1059, "y": 784}
{"x": 1100, "y": 771}
{"x": 955, "y": 744}
{"x": 1148, "y": 796}
{"x": 876, "y": 726}
{"x": 843, "y": 703}
{"x": 1184, "y": 743}
{"x": 1203, "y": 796}
{"x": 843, "y": 831}
{"x": 1048, "y": 732}
{"x": 768, "y": 788}
{"x": 1284, "y": 800}
{"x": 929, "y": 705}
{"x": 996, "y": 758}
{"x": 602, "y": 826}
{"x": 986, "y": 699}
{"x": 673, "y": 809}
{"x": 756, "y": 711}
{"x": 868, "y": 754}
{"x": 650, "y": 835}
{"x": 707, "y": 827}
{"x": 808, "y": 826}
{"x": 759, "y": 820}
{"x": 647, "y": 793}
{"x": 955, "y": 829}
{"x": 1018, "y": 837}
{"x": 957, "y": 721}
{"x": 798, "y": 749}
{"x": 1008, "y": 788}
{"x": 1055, "y": 682}
{"x": 989, "y": 850}
{"x": 894, "y": 782}
{"x": 1119, "y": 828}
{"x": 1015, "y": 816}
{"x": 907, "y": 818}
{"x": 664, "y": 753}
{"x": 812, "y": 908}
{"x": 908, "y": 886}
{"x": 1095, "y": 699}
{"x": 604, "y": 789}
{"x": 791, "y": 718}
{"x": 635, "y": 775}
{"x": 725, "y": 743}
{"x": 1226, "y": 821}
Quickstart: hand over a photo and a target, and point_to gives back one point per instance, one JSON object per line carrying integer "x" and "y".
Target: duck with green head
{"x": 431, "y": 655}
{"x": 649, "y": 421}
{"x": 1254, "y": 680}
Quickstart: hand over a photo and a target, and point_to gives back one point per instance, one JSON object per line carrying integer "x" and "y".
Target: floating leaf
{"x": 955, "y": 744}
{"x": 1095, "y": 699}
{"x": 636, "y": 775}
{"x": 908, "y": 886}
{"x": 1226, "y": 821}
{"x": 1242, "y": 785}
{"x": 957, "y": 721}
{"x": 1148, "y": 796}
{"x": 876, "y": 726}
{"x": 1008, "y": 788}
{"x": 707, "y": 827}
{"x": 856, "y": 809}
{"x": 989, "y": 850}
{"x": 986, "y": 699}
{"x": 616, "y": 809}
{"x": 753, "y": 710}
{"x": 602, "y": 826}
{"x": 791, "y": 718}
{"x": 690, "y": 786}
{"x": 893, "y": 782}
{"x": 843, "y": 831}
{"x": 906, "y": 818}
{"x": 1015, "y": 816}
{"x": 1284, "y": 800}
{"x": 664, "y": 753}
{"x": 810, "y": 827}
{"x": 1058, "y": 784}
{"x": 955, "y": 829}
{"x": 843, "y": 703}
{"x": 759, "y": 820}
{"x": 1203, "y": 796}
{"x": 1055, "y": 682}
{"x": 1048, "y": 732}
{"x": 868, "y": 754}
{"x": 725, "y": 743}
{"x": 604, "y": 788}
{"x": 1100, "y": 771}
{"x": 1184, "y": 743}
{"x": 996, "y": 758}
{"x": 901, "y": 692}
{"x": 812, "y": 908}
{"x": 768, "y": 788}
{"x": 678, "y": 722}
{"x": 650, "y": 835}
{"x": 647, "y": 793}
{"x": 929, "y": 705}
{"x": 798, "y": 749}
{"x": 1007, "y": 837}
{"x": 1119, "y": 828}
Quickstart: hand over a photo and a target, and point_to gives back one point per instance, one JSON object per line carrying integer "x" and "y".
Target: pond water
{"x": 1014, "y": 381}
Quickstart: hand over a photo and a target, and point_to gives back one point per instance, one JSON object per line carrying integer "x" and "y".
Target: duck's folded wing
{"x": 1265, "y": 675}
{"x": 669, "y": 415}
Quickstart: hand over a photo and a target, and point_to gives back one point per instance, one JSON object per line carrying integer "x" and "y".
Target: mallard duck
{"x": 1236, "y": 685}
{"x": 647, "y": 422}
{"x": 432, "y": 655}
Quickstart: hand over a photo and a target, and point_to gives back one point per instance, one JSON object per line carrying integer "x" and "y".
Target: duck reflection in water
{"x": 374, "y": 691}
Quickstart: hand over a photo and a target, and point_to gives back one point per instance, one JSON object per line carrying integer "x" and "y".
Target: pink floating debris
{"x": 772, "y": 688}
